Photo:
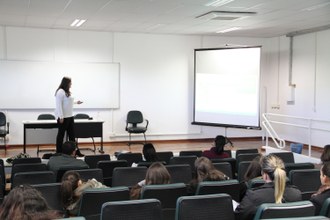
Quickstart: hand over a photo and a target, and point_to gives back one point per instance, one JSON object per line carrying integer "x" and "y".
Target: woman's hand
{"x": 61, "y": 120}
{"x": 79, "y": 102}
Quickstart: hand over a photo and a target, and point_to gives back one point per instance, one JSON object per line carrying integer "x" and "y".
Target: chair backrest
{"x": 180, "y": 173}
{"x": 242, "y": 168}
{"x": 146, "y": 209}
{"x": 27, "y": 167}
{"x": 245, "y": 157}
{"x": 246, "y": 151}
{"x": 130, "y": 158}
{"x": 164, "y": 156}
{"x": 228, "y": 152}
{"x": 26, "y": 160}
{"x": 200, "y": 207}
{"x": 325, "y": 210}
{"x": 52, "y": 193}
{"x": 81, "y": 116}
{"x": 285, "y": 210}
{"x": 3, "y": 119}
{"x": 307, "y": 181}
{"x": 63, "y": 169}
{"x": 46, "y": 117}
{"x": 224, "y": 167}
{"x": 36, "y": 177}
{"x": 92, "y": 160}
{"x": 231, "y": 187}
{"x": 87, "y": 174}
{"x": 184, "y": 160}
{"x": 134, "y": 117}
{"x": 93, "y": 199}
{"x": 287, "y": 157}
{"x": 232, "y": 162}
{"x": 197, "y": 153}
{"x": 2, "y": 175}
{"x": 107, "y": 167}
{"x": 256, "y": 182}
{"x": 298, "y": 166}
{"x": 128, "y": 176}
{"x": 167, "y": 194}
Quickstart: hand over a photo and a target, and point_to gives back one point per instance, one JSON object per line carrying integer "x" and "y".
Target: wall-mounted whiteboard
{"x": 32, "y": 85}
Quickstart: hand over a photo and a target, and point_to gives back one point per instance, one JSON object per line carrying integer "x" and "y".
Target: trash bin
{"x": 296, "y": 148}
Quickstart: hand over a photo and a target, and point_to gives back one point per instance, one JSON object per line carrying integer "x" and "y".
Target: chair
{"x": 45, "y": 117}
{"x": 27, "y": 167}
{"x": 128, "y": 176}
{"x": 180, "y": 173}
{"x": 285, "y": 210}
{"x": 287, "y": 157}
{"x": 232, "y": 162}
{"x": 146, "y": 209}
{"x": 4, "y": 128}
{"x": 92, "y": 160}
{"x": 63, "y": 169}
{"x": 52, "y": 193}
{"x": 307, "y": 181}
{"x": 107, "y": 168}
{"x": 167, "y": 194}
{"x": 190, "y": 160}
{"x": 85, "y": 116}
{"x": 87, "y": 174}
{"x": 197, "y": 153}
{"x": 231, "y": 187}
{"x": 93, "y": 199}
{"x": 247, "y": 151}
{"x": 164, "y": 156}
{"x": 298, "y": 166}
{"x": 130, "y": 158}
{"x": 242, "y": 168}
{"x": 245, "y": 157}
{"x": 133, "y": 119}
{"x": 325, "y": 210}
{"x": 224, "y": 167}
{"x": 201, "y": 207}
{"x": 35, "y": 177}
{"x": 256, "y": 182}
{"x": 26, "y": 160}
{"x": 2, "y": 177}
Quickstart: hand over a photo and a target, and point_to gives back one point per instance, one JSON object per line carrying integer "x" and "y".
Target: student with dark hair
{"x": 325, "y": 156}
{"x": 274, "y": 190}
{"x": 149, "y": 152}
{"x": 323, "y": 193}
{"x": 218, "y": 150}
{"x": 157, "y": 174}
{"x": 205, "y": 171}
{"x": 66, "y": 159}
{"x": 72, "y": 188}
{"x": 26, "y": 203}
{"x": 64, "y": 114}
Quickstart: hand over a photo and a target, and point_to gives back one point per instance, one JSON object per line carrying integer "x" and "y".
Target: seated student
{"x": 323, "y": 193}
{"x": 274, "y": 190}
{"x": 205, "y": 171}
{"x": 72, "y": 188}
{"x": 157, "y": 174}
{"x": 218, "y": 150}
{"x": 66, "y": 158}
{"x": 26, "y": 202}
{"x": 325, "y": 156}
{"x": 149, "y": 153}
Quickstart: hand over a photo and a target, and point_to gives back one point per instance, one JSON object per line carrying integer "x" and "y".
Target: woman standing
{"x": 64, "y": 114}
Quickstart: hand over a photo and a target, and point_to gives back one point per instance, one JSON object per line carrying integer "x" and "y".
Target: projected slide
{"x": 227, "y": 87}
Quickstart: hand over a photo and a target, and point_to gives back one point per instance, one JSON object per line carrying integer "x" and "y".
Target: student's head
{"x": 205, "y": 170}
{"x": 69, "y": 148}
{"x": 325, "y": 173}
{"x": 149, "y": 152}
{"x": 157, "y": 174}
{"x": 273, "y": 170}
{"x": 325, "y": 154}
{"x": 254, "y": 169}
{"x": 70, "y": 181}
{"x": 25, "y": 202}
{"x": 220, "y": 142}
{"x": 65, "y": 85}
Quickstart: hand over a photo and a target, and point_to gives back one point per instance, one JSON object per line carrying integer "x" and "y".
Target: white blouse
{"x": 64, "y": 105}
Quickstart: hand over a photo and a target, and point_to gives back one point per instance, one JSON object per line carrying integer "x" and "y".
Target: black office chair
{"x": 224, "y": 167}
{"x": 92, "y": 160}
{"x": 307, "y": 181}
{"x": 231, "y": 187}
{"x": 108, "y": 167}
{"x": 197, "y": 153}
{"x": 128, "y": 176}
{"x": 130, "y": 158}
{"x": 35, "y": 177}
{"x": 164, "y": 156}
{"x": 287, "y": 157}
{"x": 4, "y": 128}
{"x": 85, "y": 116}
{"x": 325, "y": 210}
{"x": 45, "y": 117}
{"x": 52, "y": 193}
{"x": 133, "y": 119}
{"x": 180, "y": 173}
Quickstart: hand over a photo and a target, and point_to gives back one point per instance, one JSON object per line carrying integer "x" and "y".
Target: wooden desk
{"x": 83, "y": 128}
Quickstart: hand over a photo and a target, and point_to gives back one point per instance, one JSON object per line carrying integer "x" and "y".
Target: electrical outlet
{"x": 275, "y": 106}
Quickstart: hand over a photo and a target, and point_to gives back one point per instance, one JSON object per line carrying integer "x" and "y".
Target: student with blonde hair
{"x": 274, "y": 190}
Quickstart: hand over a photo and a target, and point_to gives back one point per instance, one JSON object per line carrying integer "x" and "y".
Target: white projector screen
{"x": 226, "y": 90}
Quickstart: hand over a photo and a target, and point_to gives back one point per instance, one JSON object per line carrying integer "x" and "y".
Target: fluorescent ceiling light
{"x": 218, "y": 3}
{"x": 77, "y": 22}
{"x": 314, "y": 7}
{"x": 228, "y": 30}
{"x": 225, "y": 15}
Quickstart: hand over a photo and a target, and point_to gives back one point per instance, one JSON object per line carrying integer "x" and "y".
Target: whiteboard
{"x": 32, "y": 84}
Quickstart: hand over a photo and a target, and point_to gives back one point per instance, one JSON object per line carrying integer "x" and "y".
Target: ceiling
{"x": 273, "y": 17}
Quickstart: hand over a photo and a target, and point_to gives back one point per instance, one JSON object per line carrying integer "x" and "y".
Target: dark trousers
{"x": 66, "y": 126}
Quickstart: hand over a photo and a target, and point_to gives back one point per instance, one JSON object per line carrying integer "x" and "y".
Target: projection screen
{"x": 226, "y": 87}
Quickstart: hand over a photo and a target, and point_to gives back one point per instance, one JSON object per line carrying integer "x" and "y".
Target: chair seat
{"x": 136, "y": 129}
{"x": 3, "y": 132}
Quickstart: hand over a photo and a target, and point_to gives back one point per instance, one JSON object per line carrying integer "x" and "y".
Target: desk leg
{"x": 24, "y": 140}
{"x": 101, "y": 149}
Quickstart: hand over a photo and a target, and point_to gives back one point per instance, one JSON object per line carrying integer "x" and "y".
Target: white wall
{"x": 156, "y": 76}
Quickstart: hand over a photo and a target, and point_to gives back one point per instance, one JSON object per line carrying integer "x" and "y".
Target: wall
{"x": 156, "y": 76}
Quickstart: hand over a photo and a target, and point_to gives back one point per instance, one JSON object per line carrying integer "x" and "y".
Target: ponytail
{"x": 279, "y": 184}
{"x": 66, "y": 193}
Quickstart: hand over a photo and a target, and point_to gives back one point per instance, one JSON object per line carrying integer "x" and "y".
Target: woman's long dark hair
{"x": 65, "y": 85}
{"x": 149, "y": 152}
{"x": 69, "y": 183}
